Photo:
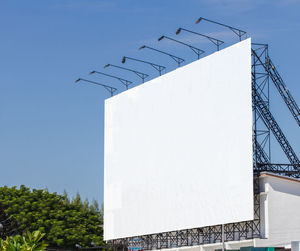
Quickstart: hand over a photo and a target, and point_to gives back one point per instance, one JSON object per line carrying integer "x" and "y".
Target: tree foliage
{"x": 8, "y": 226}
{"x": 66, "y": 223}
{"x": 27, "y": 242}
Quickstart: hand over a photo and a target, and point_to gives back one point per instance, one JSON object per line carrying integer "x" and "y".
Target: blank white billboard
{"x": 178, "y": 149}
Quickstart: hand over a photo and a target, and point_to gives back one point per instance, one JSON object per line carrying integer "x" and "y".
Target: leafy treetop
{"x": 28, "y": 242}
{"x": 65, "y": 223}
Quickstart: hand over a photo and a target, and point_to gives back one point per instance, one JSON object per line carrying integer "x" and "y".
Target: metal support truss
{"x": 282, "y": 169}
{"x": 261, "y": 156}
{"x": 264, "y": 122}
{"x": 264, "y": 165}
{"x": 261, "y": 133}
{"x": 274, "y": 127}
{"x": 281, "y": 87}
{"x": 199, "y": 236}
{"x": 196, "y": 236}
{"x": 268, "y": 118}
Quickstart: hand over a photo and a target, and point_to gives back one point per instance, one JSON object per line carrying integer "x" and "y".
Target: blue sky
{"x": 51, "y": 129}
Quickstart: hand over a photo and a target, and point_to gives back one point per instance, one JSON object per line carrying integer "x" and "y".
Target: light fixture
{"x": 177, "y": 59}
{"x": 178, "y": 31}
{"x": 238, "y": 32}
{"x": 122, "y": 80}
{"x": 157, "y": 67}
{"x": 193, "y": 48}
{"x": 140, "y": 74}
{"x": 107, "y": 87}
{"x": 199, "y": 20}
{"x": 162, "y": 37}
{"x": 215, "y": 41}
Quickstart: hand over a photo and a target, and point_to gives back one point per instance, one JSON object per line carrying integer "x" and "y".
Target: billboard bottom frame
{"x": 197, "y": 236}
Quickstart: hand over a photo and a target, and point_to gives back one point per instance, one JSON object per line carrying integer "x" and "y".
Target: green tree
{"x": 27, "y": 242}
{"x": 65, "y": 222}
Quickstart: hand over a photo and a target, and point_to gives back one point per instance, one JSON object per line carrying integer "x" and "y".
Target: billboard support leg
{"x": 223, "y": 239}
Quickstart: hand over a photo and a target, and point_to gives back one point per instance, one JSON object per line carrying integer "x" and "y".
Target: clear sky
{"x": 51, "y": 129}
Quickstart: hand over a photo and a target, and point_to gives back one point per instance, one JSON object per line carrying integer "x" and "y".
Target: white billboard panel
{"x": 178, "y": 149}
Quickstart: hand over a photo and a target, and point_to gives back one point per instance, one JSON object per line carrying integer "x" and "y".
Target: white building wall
{"x": 280, "y": 211}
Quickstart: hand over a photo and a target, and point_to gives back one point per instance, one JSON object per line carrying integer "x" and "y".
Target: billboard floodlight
{"x": 122, "y": 80}
{"x": 162, "y": 37}
{"x": 107, "y": 87}
{"x": 215, "y": 41}
{"x": 177, "y": 59}
{"x": 140, "y": 74}
{"x": 157, "y": 67}
{"x": 194, "y": 49}
{"x": 198, "y": 20}
{"x": 238, "y": 32}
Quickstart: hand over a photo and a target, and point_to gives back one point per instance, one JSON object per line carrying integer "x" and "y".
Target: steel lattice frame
{"x": 261, "y": 162}
{"x": 262, "y": 71}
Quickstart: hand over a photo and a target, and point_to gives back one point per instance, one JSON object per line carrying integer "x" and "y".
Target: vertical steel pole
{"x": 223, "y": 238}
